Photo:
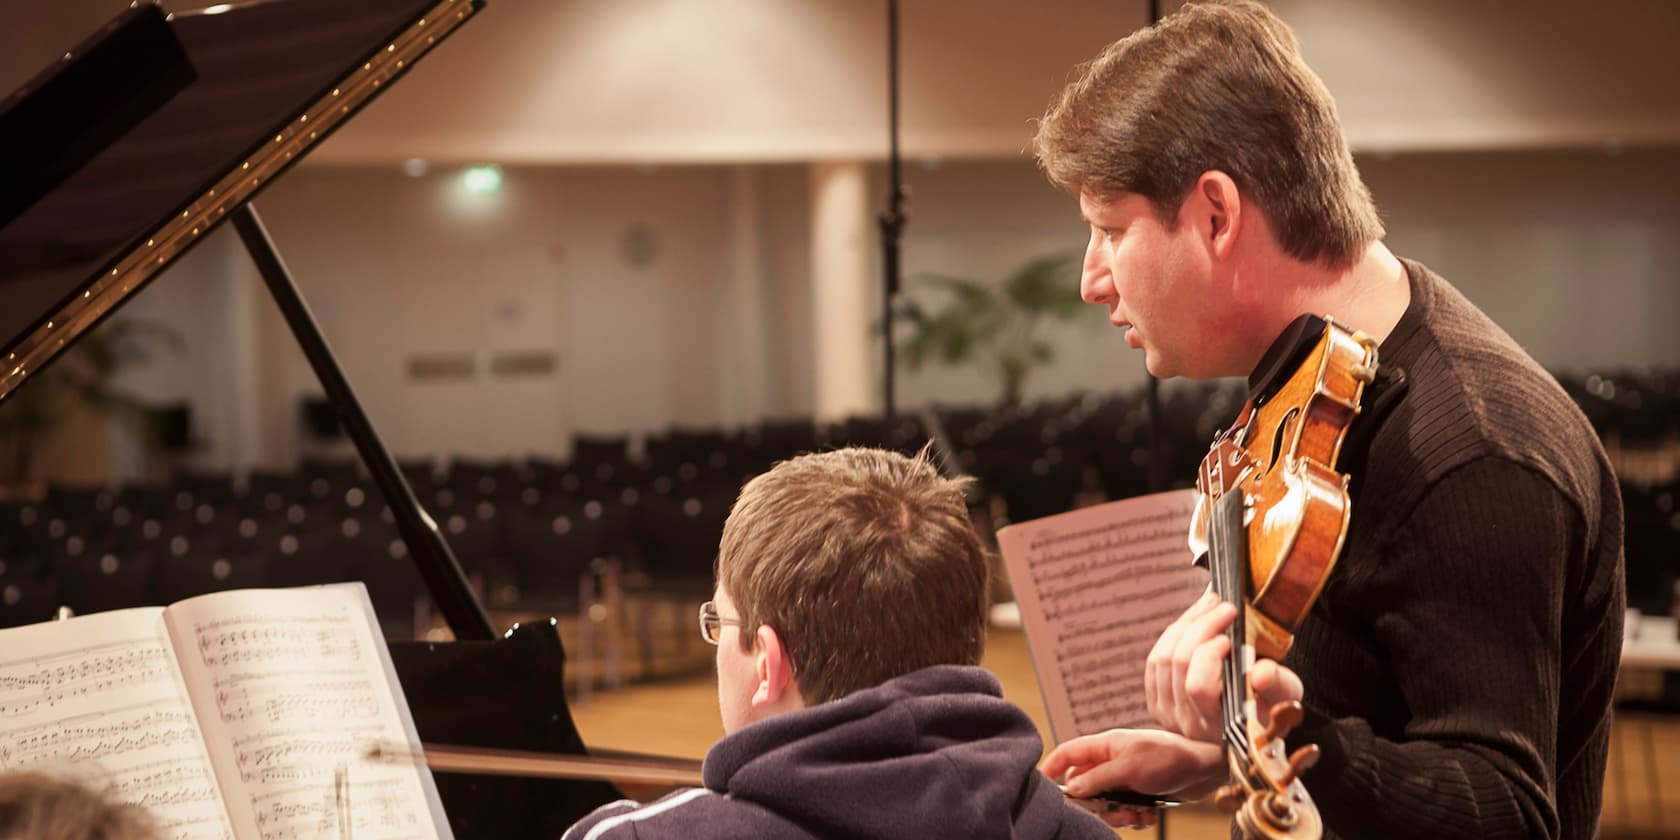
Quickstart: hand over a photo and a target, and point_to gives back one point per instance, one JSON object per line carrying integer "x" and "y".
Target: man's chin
{"x": 1157, "y": 367}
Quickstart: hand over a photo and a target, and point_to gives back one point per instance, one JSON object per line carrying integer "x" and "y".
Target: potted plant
{"x": 80, "y": 377}
{"x": 997, "y": 326}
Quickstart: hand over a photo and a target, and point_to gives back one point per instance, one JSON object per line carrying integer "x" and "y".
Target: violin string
{"x": 1227, "y": 585}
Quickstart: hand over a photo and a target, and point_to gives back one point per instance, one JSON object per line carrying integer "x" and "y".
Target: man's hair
{"x": 37, "y": 806}
{"x": 1215, "y": 86}
{"x": 865, "y": 563}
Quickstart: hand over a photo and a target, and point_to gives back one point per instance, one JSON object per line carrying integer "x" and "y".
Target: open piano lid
{"x": 136, "y": 144}
{"x": 132, "y": 148}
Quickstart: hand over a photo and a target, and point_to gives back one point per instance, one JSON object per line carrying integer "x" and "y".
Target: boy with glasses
{"x": 849, "y": 618}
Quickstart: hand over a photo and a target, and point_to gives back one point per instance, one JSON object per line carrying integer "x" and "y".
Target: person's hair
{"x": 38, "y": 806}
{"x": 865, "y": 563}
{"x": 1214, "y": 86}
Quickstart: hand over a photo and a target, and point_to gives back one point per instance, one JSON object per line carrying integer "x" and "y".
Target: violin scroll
{"x": 1266, "y": 796}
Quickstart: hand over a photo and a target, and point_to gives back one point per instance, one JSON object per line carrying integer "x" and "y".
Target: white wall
{"x": 399, "y": 267}
{"x": 195, "y": 301}
{"x": 1575, "y": 253}
{"x": 787, "y": 261}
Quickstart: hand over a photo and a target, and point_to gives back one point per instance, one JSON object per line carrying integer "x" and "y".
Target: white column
{"x": 842, "y": 293}
{"x": 246, "y": 425}
{"x": 744, "y": 345}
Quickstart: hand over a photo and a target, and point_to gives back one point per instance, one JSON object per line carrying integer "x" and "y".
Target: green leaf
{"x": 1047, "y": 285}
{"x": 81, "y": 375}
{"x": 961, "y": 321}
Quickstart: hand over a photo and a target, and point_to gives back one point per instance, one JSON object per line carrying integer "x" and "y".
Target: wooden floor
{"x": 677, "y": 716}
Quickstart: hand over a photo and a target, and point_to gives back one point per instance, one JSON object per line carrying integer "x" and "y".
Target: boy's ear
{"x": 776, "y": 683}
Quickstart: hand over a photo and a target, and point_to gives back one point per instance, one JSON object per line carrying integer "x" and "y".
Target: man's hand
{"x": 1273, "y": 684}
{"x": 1184, "y": 675}
{"x": 1143, "y": 760}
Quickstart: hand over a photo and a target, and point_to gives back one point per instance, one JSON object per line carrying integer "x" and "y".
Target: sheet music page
{"x": 292, "y": 685}
{"x": 1096, "y": 586}
{"x": 98, "y": 698}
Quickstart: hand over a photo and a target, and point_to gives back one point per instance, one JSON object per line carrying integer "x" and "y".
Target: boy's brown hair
{"x": 1215, "y": 86}
{"x": 38, "y": 806}
{"x": 865, "y": 563}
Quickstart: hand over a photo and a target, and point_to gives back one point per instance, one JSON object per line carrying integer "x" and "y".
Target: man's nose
{"x": 1095, "y": 283}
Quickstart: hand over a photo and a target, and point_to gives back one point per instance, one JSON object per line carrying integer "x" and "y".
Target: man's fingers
{"x": 1157, "y": 675}
{"x": 1204, "y": 685}
{"x": 1084, "y": 751}
{"x": 1158, "y": 690}
{"x": 1128, "y": 818}
{"x": 1213, "y": 622}
{"x": 1142, "y": 760}
{"x": 1274, "y": 683}
{"x": 1090, "y": 780}
{"x": 1187, "y": 710}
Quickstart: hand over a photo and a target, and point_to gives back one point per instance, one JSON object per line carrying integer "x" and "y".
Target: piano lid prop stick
{"x": 498, "y": 762}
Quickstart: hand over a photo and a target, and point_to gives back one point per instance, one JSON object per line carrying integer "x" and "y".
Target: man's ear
{"x": 776, "y": 684}
{"x": 1215, "y": 203}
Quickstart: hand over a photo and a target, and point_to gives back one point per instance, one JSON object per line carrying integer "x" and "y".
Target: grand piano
{"x": 132, "y": 148}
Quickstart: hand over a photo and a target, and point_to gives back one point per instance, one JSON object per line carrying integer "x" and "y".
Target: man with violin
{"x": 1457, "y": 667}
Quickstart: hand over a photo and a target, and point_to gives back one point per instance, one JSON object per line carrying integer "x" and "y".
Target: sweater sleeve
{"x": 1466, "y": 603}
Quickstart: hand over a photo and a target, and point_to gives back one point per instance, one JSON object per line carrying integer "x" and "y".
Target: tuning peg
{"x": 1285, "y": 716}
{"x": 1230, "y": 798}
{"x": 1300, "y": 762}
{"x": 1281, "y": 808}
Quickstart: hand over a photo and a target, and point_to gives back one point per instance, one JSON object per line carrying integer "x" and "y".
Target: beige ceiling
{"x": 657, "y": 81}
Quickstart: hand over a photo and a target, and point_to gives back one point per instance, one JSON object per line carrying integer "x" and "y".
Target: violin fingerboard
{"x": 1228, "y": 563}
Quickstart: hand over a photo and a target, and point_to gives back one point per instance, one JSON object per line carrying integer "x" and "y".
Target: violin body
{"x": 1282, "y": 455}
{"x": 1271, "y": 520}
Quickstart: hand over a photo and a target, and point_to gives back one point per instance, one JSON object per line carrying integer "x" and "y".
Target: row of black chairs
{"x": 527, "y": 532}
{"x": 528, "y": 528}
{"x": 1638, "y": 408}
{"x": 523, "y": 555}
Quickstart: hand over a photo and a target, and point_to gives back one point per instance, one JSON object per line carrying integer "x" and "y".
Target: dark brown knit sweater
{"x": 1460, "y": 662}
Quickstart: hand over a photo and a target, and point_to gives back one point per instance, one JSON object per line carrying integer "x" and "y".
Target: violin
{"x": 1271, "y": 518}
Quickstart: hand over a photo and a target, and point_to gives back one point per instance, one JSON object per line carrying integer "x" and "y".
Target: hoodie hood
{"x": 935, "y": 753}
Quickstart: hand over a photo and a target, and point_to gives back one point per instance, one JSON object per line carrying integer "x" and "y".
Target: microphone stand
{"x": 891, "y": 220}
{"x": 1157, "y": 463}
{"x": 1152, "y": 404}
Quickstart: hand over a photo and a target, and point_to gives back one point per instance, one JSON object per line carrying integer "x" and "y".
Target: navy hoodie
{"x": 935, "y": 753}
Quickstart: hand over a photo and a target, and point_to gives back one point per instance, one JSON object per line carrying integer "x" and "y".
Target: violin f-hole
{"x": 1278, "y": 437}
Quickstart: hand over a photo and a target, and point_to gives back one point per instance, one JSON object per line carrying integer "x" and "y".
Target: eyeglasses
{"x": 711, "y": 624}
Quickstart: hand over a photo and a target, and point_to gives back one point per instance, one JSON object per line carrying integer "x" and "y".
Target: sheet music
{"x": 293, "y": 685}
{"x": 1096, "y": 587}
{"x": 97, "y": 698}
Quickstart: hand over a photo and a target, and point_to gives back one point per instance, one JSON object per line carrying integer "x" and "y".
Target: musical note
{"x": 294, "y": 687}
{"x": 1096, "y": 586}
{"x": 98, "y": 698}
{"x": 326, "y": 701}
{"x": 236, "y": 641}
